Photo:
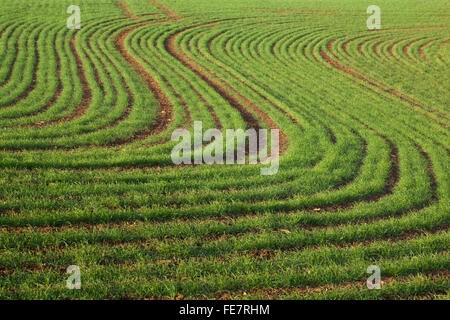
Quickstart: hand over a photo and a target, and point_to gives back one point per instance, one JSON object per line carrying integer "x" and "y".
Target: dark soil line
{"x": 293, "y": 120}
{"x": 257, "y": 254}
{"x": 126, "y": 10}
{"x": 216, "y": 120}
{"x": 444, "y": 43}
{"x": 130, "y": 96}
{"x": 405, "y": 236}
{"x": 330, "y": 47}
{"x": 349, "y": 41}
{"x": 3, "y": 31}
{"x": 188, "y": 63}
{"x": 390, "y": 185}
{"x": 387, "y": 99}
{"x": 391, "y": 50}
{"x": 406, "y": 48}
{"x": 138, "y": 136}
{"x": 178, "y": 96}
{"x": 382, "y": 87}
{"x": 80, "y": 110}
{"x": 376, "y": 50}
{"x": 225, "y": 218}
{"x": 128, "y": 110}
{"x": 404, "y": 51}
{"x": 166, "y": 111}
{"x": 393, "y": 175}
{"x": 395, "y": 171}
{"x": 273, "y": 293}
{"x": 326, "y": 127}
{"x": 219, "y": 237}
{"x": 422, "y": 49}
{"x": 207, "y": 76}
{"x": 115, "y": 122}
{"x": 346, "y": 44}
{"x": 162, "y": 7}
{"x": 304, "y": 291}
{"x": 360, "y": 47}
{"x": 87, "y": 93}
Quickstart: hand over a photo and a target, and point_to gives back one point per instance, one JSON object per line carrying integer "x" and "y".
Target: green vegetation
{"x": 86, "y": 176}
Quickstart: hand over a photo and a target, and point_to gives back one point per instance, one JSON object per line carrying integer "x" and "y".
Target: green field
{"x": 87, "y": 179}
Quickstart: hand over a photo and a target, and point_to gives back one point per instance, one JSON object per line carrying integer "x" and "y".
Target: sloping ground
{"x": 87, "y": 179}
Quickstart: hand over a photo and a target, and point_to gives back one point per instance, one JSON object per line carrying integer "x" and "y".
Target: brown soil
{"x": 406, "y": 49}
{"x": 422, "y": 49}
{"x": 86, "y": 98}
{"x": 257, "y": 254}
{"x": 165, "y": 113}
{"x": 251, "y": 88}
{"x": 87, "y": 93}
{"x": 220, "y": 86}
{"x": 273, "y": 293}
{"x": 363, "y": 43}
{"x": 346, "y": 44}
{"x": 164, "y": 9}
{"x": 384, "y": 88}
{"x": 126, "y": 10}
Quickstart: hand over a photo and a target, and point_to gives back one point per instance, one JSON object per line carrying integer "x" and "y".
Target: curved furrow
{"x": 387, "y": 90}
{"x": 215, "y": 83}
{"x": 165, "y": 112}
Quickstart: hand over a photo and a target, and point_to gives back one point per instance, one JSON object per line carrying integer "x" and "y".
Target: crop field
{"x": 87, "y": 178}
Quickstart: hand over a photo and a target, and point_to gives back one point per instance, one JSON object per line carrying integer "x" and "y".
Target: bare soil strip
{"x": 257, "y": 254}
{"x": 217, "y": 84}
{"x": 162, "y": 7}
{"x": 391, "y": 49}
{"x": 406, "y": 50}
{"x": 126, "y": 10}
{"x": 190, "y": 64}
{"x": 273, "y": 293}
{"x": 166, "y": 111}
{"x": 250, "y": 87}
{"x": 384, "y": 88}
{"x": 376, "y": 49}
{"x": 211, "y": 110}
{"x": 422, "y": 49}
{"x": 346, "y": 44}
{"x": 363, "y": 43}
